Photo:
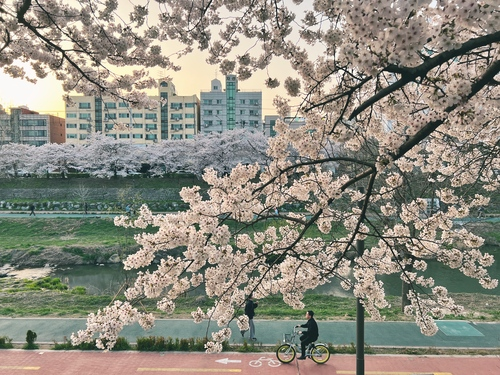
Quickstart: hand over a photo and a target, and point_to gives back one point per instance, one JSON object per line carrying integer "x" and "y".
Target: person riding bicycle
{"x": 311, "y": 335}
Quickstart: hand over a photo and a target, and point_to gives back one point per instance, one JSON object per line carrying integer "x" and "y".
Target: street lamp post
{"x": 360, "y": 313}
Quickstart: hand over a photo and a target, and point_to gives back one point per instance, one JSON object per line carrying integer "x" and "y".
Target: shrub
{"x": 67, "y": 345}
{"x": 30, "y": 340}
{"x": 245, "y": 348}
{"x": 122, "y": 344}
{"x": 158, "y": 343}
{"x": 6, "y": 342}
{"x": 46, "y": 283}
{"x": 80, "y": 290}
{"x": 152, "y": 343}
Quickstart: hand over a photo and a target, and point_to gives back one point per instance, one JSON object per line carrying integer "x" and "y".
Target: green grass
{"x": 18, "y": 298}
{"x": 36, "y": 234}
{"x": 176, "y": 181}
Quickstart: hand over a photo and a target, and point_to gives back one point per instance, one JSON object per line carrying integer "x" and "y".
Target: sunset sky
{"x": 46, "y": 95}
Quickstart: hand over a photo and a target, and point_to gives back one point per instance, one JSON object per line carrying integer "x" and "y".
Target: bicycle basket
{"x": 287, "y": 337}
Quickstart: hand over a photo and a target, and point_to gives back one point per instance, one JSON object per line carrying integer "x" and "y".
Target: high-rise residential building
{"x": 25, "y": 126}
{"x": 230, "y": 108}
{"x": 177, "y": 118}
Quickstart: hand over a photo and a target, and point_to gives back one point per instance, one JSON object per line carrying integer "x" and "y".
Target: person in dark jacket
{"x": 250, "y": 312}
{"x": 311, "y": 335}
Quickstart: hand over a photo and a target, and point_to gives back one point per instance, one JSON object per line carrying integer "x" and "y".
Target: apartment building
{"x": 229, "y": 108}
{"x": 25, "y": 126}
{"x": 177, "y": 118}
{"x": 269, "y": 124}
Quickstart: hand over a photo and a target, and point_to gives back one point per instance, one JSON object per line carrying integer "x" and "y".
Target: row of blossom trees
{"x": 408, "y": 86}
{"x": 106, "y": 157}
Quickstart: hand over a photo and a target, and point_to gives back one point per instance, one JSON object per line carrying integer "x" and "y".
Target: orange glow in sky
{"x": 46, "y": 95}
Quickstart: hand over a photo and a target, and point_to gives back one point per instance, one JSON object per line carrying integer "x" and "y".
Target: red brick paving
{"x": 39, "y": 362}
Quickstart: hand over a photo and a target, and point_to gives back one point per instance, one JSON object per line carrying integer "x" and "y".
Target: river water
{"x": 108, "y": 279}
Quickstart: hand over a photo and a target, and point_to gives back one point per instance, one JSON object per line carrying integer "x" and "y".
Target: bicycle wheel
{"x": 320, "y": 354}
{"x": 285, "y": 353}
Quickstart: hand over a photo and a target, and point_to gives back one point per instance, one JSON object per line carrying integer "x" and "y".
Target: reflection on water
{"x": 108, "y": 279}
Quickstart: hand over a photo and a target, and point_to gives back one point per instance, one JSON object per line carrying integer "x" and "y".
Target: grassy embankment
{"x": 22, "y": 298}
{"x": 88, "y": 237}
{"x": 75, "y": 236}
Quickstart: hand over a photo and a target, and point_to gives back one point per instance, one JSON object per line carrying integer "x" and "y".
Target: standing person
{"x": 86, "y": 208}
{"x": 32, "y": 210}
{"x": 311, "y": 335}
{"x": 250, "y": 312}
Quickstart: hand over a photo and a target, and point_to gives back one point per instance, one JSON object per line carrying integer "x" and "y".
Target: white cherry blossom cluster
{"x": 109, "y": 322}
{"x": 399, "y": 97}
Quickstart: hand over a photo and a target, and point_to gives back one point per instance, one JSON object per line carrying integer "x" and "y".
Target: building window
{"x": 209, "y": 123}
{"x": 207, "y": 112}
{"x": 85, "y": 116}
{"x": 151, "y": 116}
{"x": 242, "y": 101}
{"x": 137, "y": 126}
{"x": 137, "y": 115}
{"x": 189, "y": 126}
{"x": 83, "y": 136}
{"x": 33, "y": 123}
{"x": 151, "y": 137}
{"x": 176, "y": 136}
{"x": 123, "y": 115}
{"x": 189, "y": 136}
{"x": 34, "y": 133}
{"x": 242, "y": 111}
{"x": 254, "y": 112}
{"x": 84, "y": 105}
{"x": 70, "y": 126}
{"x": 84, "y": 126}
{"x": 123, "y": 105}
{"x": 109, "y": 116}
{"x": 111, "y": 135}
{"x": 189, "y": 115}
{"x": 137, "y": 136}
{"x": 70, "y": 115}
{"x": 176, "y": 106}
{"x": 218, "y": 101}
{"x": 254, "y": 102}
{"x": 176, "y": 117}
{"x": 124, "y": 135}
{"x": 71, "y": 136}
{"x": 110, "y": 105}
{"x": 215, "y": 88}
{"x": 207, "y": 101}
{"x": 189, "y": 105}
{"x": 151, "y": 127}
{"x": 176, "y": 127}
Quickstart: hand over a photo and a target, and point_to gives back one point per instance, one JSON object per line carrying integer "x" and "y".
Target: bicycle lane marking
{"x": 271, "y": 362}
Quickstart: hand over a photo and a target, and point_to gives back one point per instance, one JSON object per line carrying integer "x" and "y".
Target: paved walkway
{"x": 452, "y": 334}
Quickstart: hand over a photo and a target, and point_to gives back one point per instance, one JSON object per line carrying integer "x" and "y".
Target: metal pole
{"x": 360, "y": 313}
{"x": 360, "y": 323}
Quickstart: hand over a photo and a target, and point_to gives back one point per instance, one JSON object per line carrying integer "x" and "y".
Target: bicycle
{"x": 286, "y": 352}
